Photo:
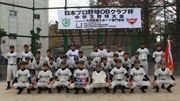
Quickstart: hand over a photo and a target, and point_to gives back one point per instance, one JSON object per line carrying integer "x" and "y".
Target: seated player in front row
{"x": 94, "y": 86}
{"x": 44, "y": 78}
{"x": 62, "y": 75}
{"x": 82, "y": 75}
{"x": 161, "y": 75}
{"x": 24, "y": 78}
{"x": 137, "y": 74}
{"x": 117, "y": 75}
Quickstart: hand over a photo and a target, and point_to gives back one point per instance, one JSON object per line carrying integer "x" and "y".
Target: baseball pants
{"x": 58, "y": 83}
{"x": 11, "y": 70}
{"x": 87, "y": 87}
{"x": 42, "y": 85}
{"x": 141, "y": 83}
{"x": 165, "y": 82}
{"x": 21, "y": 85}
{"x": 115, "y": 83}
{"x": 99, "y": 85}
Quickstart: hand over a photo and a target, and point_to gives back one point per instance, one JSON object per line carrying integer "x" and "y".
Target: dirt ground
{"x": 101, "y": 95}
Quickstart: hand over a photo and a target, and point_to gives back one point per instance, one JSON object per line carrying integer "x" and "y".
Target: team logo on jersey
{"x": 66, "y": 22}
{"x": 115, "y": 73}
{"x": 131, "y": 21}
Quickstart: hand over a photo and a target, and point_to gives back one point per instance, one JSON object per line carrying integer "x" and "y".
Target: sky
{"x": 53, "y": 16}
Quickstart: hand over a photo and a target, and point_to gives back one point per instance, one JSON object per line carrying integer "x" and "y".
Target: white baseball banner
{"x": 99, "y": 18}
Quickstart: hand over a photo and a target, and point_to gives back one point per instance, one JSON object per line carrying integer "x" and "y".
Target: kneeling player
{"x": 161, "y": 75}
{"x": 117, "y": 75}
{"x": 24, "y": 78}
{"x": 94, "y": 86}
{"x": 45, "y": 78}
{"x": 137, "y": 74}
{"x": 62, "y": 75}
{"x": 81, "y": 74}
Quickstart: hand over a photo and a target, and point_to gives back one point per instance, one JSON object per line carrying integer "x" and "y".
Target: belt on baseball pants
{"x": 118, "y": 79}
{"x": 144, "y": 60}
{"x": 12, "y": 64}
{"x": 24, "y": 82}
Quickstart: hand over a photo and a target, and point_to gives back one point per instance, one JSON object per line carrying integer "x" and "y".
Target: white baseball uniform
{"x": 58, "y": 60}
{"x": 44, "y": 77}
{"x": 74, "y": 66}
{"x": 162, "y": 76}
{"x": 46, "y": 59}
{"x": 113, "y": 63}
{"x": 98, "y": 85}
{"x": 138, "y": 75}
{"x": 157, "y": 55}
{"x": 68, "y": 64}
{"x": 121, "y": 54}
{"x": 144, "y": 56}
{"x": 41, "y": 59}
{"x": 52, "y": 67}
{"x": 38, "y": 67}
{"x": 102, "y": 51}
{"x": 126, "y": 64}
{"x": 106, "y": 68}
{"x": 109, "y": 55}
{"x": 96, "y": 56}
{"x": 29, "y": 66}
{"x": 90, "y": 67}
{"x": 24, "y": 54}
{"x": 22, "y": 76}
{"x": 12, "y": 64}
{"x": 70, "y": 54}
{"x": 118, "y": 77}
{"x": 63, "y": 77}
{"x": 84, "y": 58}
{"x": 133, "y": 59}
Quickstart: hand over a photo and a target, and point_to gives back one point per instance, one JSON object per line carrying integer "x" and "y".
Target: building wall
{"x": 23, "y": 23}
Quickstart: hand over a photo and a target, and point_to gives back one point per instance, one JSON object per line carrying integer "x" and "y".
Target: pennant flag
{"x": 168, "y": 56}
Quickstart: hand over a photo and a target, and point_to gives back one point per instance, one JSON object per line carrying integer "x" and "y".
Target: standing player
{"x": 68, "y": 63}
{"x": 161, "y": 75}
{"x": 46, "y": 59}
{"x": 113, "y": 62}
{"x": 96, "y": 55}
{"x": 99, "y": 85}
{"x": 137, "y": 74}
{"x": 38, "y": 66}
{"x": 12, "y": 61}
{"x": 106, "y": 66}
{"x": 144, "y": 55}
{"x": 71, "y": 53}
{"x": 62, "y": 75}
{"x": 119, "y": 51}
{"x": 101, "y": 48}
{"x": 38, "y": 53}
{"x": 28, "y": 64}
{"x": 61, "y": 53}
{"x": 109, "y": 53}
{"x": 81, "y": 73}
{"x": 26, "y": 53}
{"x": 126, "y": 62}
{"x": 75, "y": 64}
{"x": 82, "y": 57}
{"x": 136, "y": 57}
{"x": 52, "y": 66}
{"x": 117, "y": 77}
{"x": 24, "y": 78}
{"x": 44, "y": 78}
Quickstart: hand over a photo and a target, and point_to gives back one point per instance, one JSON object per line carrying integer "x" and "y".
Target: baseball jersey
{"x": 113, "y": 63}
{"x": 126, "y": 63}
{"x": 121, "y": 54}
{"x": 41, "y": 59}
{"x": 138, "y": 74}
{"x": 23, "y": 75}
{"x": 133, "y": 59}
{"x": 102, "y": 51}
{"x": 106, "y": 67}
{"x": 74, "y": 66}
{"x": 96, "y": 73}
{"x": 58, "y": 60}
{"x": 84, "y": 58}
{"x": 81, "y": 73}
{"x": 162, "y": 75}
{"x": 118, "y": 73}
{"x": 96, "y": 56}
{"x": 90, "y": 67}
{"x": 63, "y": 75}
{"x": 46, "y": 59}
{"x": 109, "y": 55}
{"x": 143, "y": 53}
{"x": 29, "y": 66}
{"x": 37, "y": 67}
{"x": 70, "y": 54}
{"x": 44, "y": 76}
{"x": 52, "y": 66}
{"x": 68, "y": 64}
{"x": 157, "y": 55}
{"x": 23, "y": 55}
{"x": 12, "y": 57}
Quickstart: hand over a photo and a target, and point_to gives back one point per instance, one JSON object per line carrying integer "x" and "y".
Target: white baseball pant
{"x": 42, "y": 85}
{"x": 21, "y": 85}
{"x": 99, "y": 85}
{"x": 115, "y": 83}
{"x": 87, "y": 87}
{"x": 141, "y": 83}
{"x": 59, "y": 83}
{"x": 165, "y": 82}
{"x": 11, "y": 70}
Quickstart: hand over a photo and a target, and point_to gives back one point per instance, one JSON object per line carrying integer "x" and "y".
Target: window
{"x": 12, "y": 37}
{"x": 12, "y": 13}
{"x": 36, "y": 16}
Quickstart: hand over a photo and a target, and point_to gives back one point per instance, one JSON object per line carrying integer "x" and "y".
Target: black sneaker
{"x": 32, "y": 89}
{"x": 169, "y": 90}
{"x": 28, "y": 91}
{"x": 8, "y": 87}
{"x": 114, "y": 90}
{"x": 107, "y": 89}
{"x": 67, "y": 90}
{"x": 84, "y": 91}
{"x": 156, "y": 91}
{"x": 142, "y": 89}
{"x": 76, "y": 91}
{"x": 132, "y": 91}
{"x": 94, "y": 90}
{"x": 154, "y": 87}
{"x": 49, "y": 90}
{"x": 123, "y": 91}
{"x": 20, "y": 90}
{"x": 58, "y": 90}
{"x": 163, "y": 86}
{"x": 40, "y": 90}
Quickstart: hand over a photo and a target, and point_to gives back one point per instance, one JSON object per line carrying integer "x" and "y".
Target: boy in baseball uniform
{"x": 73, "y": 52}
{"x": 81, "y": 73}
{"x": 106, "y": 66}
{"x": 94, "y": 86}
{"x": 96, "y": 55}
{"x": 44, "y": 78}
{"x": 68, "y": 63}
{"x": 62, "y": 75}
{"x": 12, "y": 61}
{"x": 101, "y": 48}
{"x": 136, "y": 57}
{"x": 109, "y": 53}
{"x": 113, "y": 62}
{"x": 82, "y": 57}
{"x": 58, "y": 60}
{"x": 52, "y": 66}
{"x": 161, "y": 75}
{"x": 119, "y": 51}
{"x": 29, "y": 65}
{"x": 117, "y": 77}
{"x": 46, "y": 59}
{"x": 75, "y": 63}
{"x": 38, "y": 53}
{"x": 126, "y": 62}
{"x": 137, "y": 74}
{"x": 25, "y": 53}
{"x": 24, "y": 78}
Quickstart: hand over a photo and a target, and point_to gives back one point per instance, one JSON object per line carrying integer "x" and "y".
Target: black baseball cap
{"x": 137, "y": 52}
{"x": 81, "y": 61}
{"x": 116, "y": 54}
{"x": 126, "y": 53}
{"x": 158, "y": 45}
{"x": 76, "y": 57}
{"x": 63, "y": 62}
{"x": 118, "y": 60}
{"x": 51, "y": 58}
{"x": 96, "y": 45}
{"x": 11, "y": 46}
{"x": 61, "y": 52}
{"x": 27, "y": 57}
{"x": 72, "y": 44}
{"x": 45, "y": 64}
{"x": 119, "y": 45}
{"x": 98, "y": 64}
{"x": 136, "y": 61}
{"x": 22, "y": 63}
{"x": 101, "y": 43}
{"x": 89, "y": 57}
{"x": 64, "y": 56}
{"x": 48, "y": 50}
{"x": 38, "y": 52}
{"x": 26, "y": 45}
{"x": 80, "y": 51}
{"x": 37, "y": 57}
{"x": 108, "y": 46}
{"x": 142, "y": 42}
